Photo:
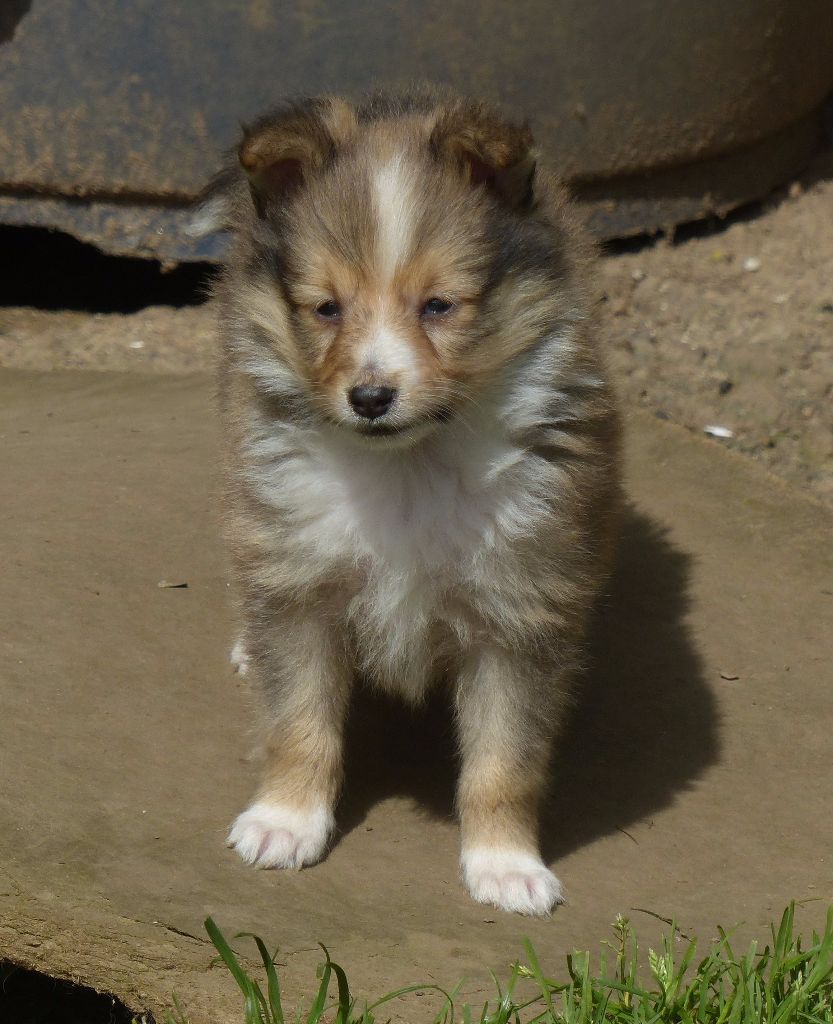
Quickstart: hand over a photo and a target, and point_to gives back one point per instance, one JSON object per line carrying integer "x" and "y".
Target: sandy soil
{"x": 735, "y": 329}
{"x": 689, "y": 783}
{"x": 731, "y": 328}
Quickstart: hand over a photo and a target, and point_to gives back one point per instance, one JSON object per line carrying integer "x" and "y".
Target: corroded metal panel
{"x": 133, "y": 102}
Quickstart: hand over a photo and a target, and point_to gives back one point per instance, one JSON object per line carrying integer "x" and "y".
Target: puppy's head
{"x": 390, "y": 257}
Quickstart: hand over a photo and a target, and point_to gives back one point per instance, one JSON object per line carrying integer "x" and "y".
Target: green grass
{"x": 779, "y": 984}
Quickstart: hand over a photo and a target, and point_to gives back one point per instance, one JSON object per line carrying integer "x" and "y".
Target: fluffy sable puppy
{"x": 421, "y": 458}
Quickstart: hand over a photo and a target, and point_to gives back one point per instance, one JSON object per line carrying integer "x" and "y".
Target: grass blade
{"x": 227, "y": 954}
{"x": 345, "y": 1003}
{"x": 317, "y": 1008}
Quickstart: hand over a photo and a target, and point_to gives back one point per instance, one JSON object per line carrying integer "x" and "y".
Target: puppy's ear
{"x": 280, "y": 150}
{"x": 488, "y": 151}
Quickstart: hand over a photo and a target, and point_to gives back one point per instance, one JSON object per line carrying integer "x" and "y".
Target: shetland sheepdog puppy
{"x": 421, "y": 457}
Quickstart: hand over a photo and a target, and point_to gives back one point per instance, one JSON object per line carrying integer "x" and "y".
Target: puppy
{"x": 421, "y": 457}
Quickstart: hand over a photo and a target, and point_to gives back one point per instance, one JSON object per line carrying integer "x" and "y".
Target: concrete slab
{"x": 694, "y": 780}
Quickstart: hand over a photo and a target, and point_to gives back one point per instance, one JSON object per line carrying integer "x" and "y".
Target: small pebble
{"x": 751, "y": 264}
{"x": 137, "y": 344}
{"x": 713, "y": 430}
{"x": 725, "y": 386}
{"x": 638, "y": 274}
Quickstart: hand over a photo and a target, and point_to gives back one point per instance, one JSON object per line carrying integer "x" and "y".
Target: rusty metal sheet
{"x": 119, "y": 228}
{"x": 133, "y": 102}
{"x": 662, "y": 199}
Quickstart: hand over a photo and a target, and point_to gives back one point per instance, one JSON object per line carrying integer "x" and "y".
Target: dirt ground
{"x": 692, "y": 780}
{"x": 730, "y": 326}
{"x": 735, "y": 329}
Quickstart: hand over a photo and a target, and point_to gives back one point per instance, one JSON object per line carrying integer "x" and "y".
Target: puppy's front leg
{"x": 302, "y": 673}
{"x": 507, "y": 711}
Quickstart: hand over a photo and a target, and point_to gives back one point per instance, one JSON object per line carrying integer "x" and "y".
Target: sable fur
{"x": 464, "y": 536}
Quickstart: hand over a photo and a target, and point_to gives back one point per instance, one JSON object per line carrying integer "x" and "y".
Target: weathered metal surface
{"x": 613, "y": 208}
{"x": 661, "y": 199}
{"x": 135, "y": 101}
{"x": 120, "y": 228}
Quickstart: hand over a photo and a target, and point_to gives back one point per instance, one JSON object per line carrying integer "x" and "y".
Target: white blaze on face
{"x": 388, "y": 356}
{"x": 393, "y": 196}
{"x": 385, "y": 352}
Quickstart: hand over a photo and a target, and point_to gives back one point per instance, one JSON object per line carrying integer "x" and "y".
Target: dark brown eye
{"x": 329, "y": 310}
{"x": 436, "y": 307}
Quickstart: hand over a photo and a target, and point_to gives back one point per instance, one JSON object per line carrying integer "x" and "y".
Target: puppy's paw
{"x": 277, "y": 836}
{"x": 510, "y": 880}
{"x": 239, "y": 658}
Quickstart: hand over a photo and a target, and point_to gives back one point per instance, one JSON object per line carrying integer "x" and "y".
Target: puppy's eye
{"x": 329, "y": 310}
{"x": 436, "y": 307}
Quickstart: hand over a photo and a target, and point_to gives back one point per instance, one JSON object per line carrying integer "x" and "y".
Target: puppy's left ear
{"x": 488, "y": 151}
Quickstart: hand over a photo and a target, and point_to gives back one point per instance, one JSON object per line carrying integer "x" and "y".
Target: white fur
{"x": 512, "y": 880}
{"x": 394, "y": 215}
{"x": 273, "y": 378}
{"x": 278, "y": 836}
{"x": 387, "y": 354}
{"x": 420, "y": 523}
{"x": 431, "y": 510}
{"x": 239, "y": 658}
{"x": 209, "y": 217}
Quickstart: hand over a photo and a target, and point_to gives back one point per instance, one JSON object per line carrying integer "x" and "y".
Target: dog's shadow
{"x": 642, "y": 728}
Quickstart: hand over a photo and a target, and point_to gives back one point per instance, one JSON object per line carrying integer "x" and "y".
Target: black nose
{"x": 371, "y": 401}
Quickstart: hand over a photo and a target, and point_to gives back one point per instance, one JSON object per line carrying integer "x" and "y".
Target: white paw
{"x": 510, "y": 880}
{"x": 277, "y": 836}
{"x": 239, "y": 658}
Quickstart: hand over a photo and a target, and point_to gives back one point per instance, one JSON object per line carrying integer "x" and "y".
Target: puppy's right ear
{"x": 280, "y": 150}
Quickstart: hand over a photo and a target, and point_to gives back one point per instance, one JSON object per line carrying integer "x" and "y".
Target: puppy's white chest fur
{"x": 419, "y": 529}
{"x": 427, "y": 512}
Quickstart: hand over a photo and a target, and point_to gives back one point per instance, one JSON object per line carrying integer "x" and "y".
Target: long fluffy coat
{"x": 411, "y": 249}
